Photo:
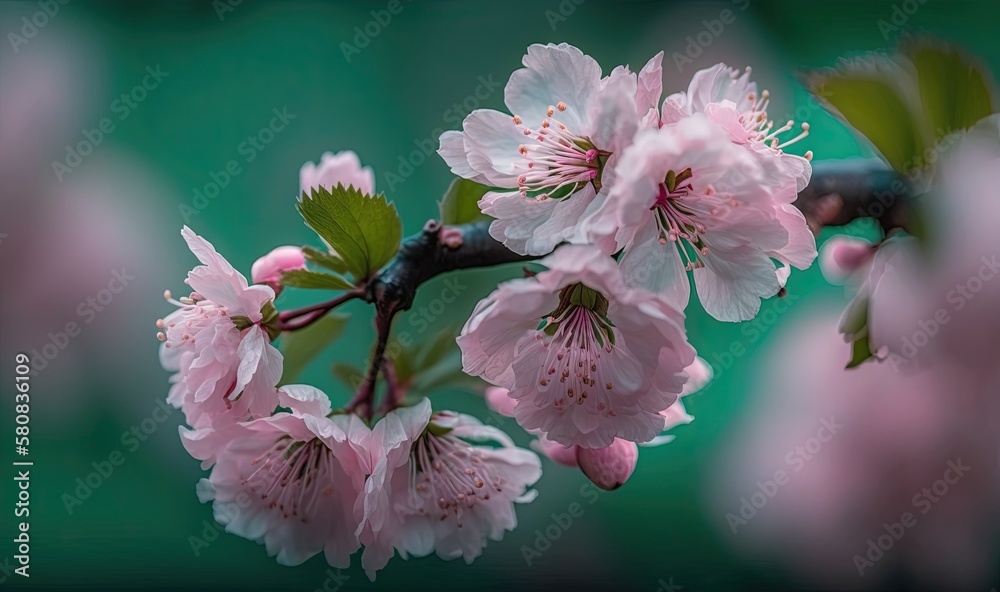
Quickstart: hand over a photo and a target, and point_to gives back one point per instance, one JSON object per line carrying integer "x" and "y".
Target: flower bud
{"x": 841, "y": 256}
{"x": 609, "y": 468}
{"x": 267, "y": 269}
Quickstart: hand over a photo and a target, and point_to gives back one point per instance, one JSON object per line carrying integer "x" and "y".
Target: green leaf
{"x": 302, "y": 346}
{"x": 878, "y": 98}
{"x": 349, "y": 374}
{"x": 316, "y": 280}
{"x": 953, "y": 87}
{"x": 860, "y": 352}
{"x": 331, "y": 261}
{"x": 365, "y": 231}
{"x": 460, "y": 204}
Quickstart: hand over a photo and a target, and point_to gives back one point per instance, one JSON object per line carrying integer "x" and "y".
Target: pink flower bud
{"x": 841, "y": 256}
{"x": 267, "y": 269}
{"x": 609, "y": 468}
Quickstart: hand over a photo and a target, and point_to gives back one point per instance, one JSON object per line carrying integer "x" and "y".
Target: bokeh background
{"x": 225, "y": 69}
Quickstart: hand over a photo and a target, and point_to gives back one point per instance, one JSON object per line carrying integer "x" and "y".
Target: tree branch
{"x": 839, "y": 192}
{"x": 844, "y": 190}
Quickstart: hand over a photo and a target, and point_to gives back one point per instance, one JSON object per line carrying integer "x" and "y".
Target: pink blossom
{"x": 216, "y": 343}
{"x": 343, "y": 168}
{"x": 432, "y": 489}
{"x": 689, "y": 199}
{"x": 289, "y": 481}
{"x": 587, "y": 358}
{"x": 898, "y": 435}
{"x": 842, "y": 255}
{"x": 729, "y": 98}
{"x": 552, "y": 158}
{"x": 267, "y": 269}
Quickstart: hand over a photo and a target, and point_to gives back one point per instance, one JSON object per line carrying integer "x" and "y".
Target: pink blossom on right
{"x": 689, "y": 199}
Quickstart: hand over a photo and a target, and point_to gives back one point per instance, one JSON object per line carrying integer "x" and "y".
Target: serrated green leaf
{"x": 315, "y": 280}
{"x": 953, "y": 87}
{"x": 330, "y": 261}
{"x": 365, "y": 231}
{"x": 460, "y": 204}
{"x": 877, "y": 97}
{"x": 302, "y": 346}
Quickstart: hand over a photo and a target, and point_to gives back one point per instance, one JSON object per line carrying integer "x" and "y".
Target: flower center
{"x": 677, "y": 221}
{"x": 576, "y": 336}
{"x": 451, "y": 474}
{"x": 559, "y": 162}
{"x": 761, "y": 129}
{"x": 196, "y": 314}
{"x": 293, "y": 476}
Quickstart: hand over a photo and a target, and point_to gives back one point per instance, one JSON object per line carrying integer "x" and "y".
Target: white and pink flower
{"x": 217, "y": 343}
{"x": 343, "y": 168}
{"x": 289, "y": 481}
{"x": 687, "y": 198}
{"x": 555, "y": 155}
{"x": 432, "y": 489}
{"x": 728, "y": 97}
{"x": 587, "y": 358}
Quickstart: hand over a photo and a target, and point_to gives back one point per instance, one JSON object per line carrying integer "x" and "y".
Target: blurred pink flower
{"x": 839, "y": 491}
{"x": 302, "y": 473}
{"x": 225, "y": 366}
{"x": 841, "y": 256}
{"x": 587, "y": 358}
{"x": 335, "y": 169}
{"x": 432, "y": 490}
{"x": 551, "y": 158}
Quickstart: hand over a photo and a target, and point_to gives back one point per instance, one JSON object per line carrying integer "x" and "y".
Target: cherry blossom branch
{"x": 315, "y": 312}
{"x": 839, "y": 192}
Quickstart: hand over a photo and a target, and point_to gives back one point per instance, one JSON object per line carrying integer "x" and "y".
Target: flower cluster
{"x": 622, "y": 195}
{"x": 699, "y": 184}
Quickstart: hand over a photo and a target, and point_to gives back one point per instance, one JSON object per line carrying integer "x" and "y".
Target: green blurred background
{"x": 225, "y": 75}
